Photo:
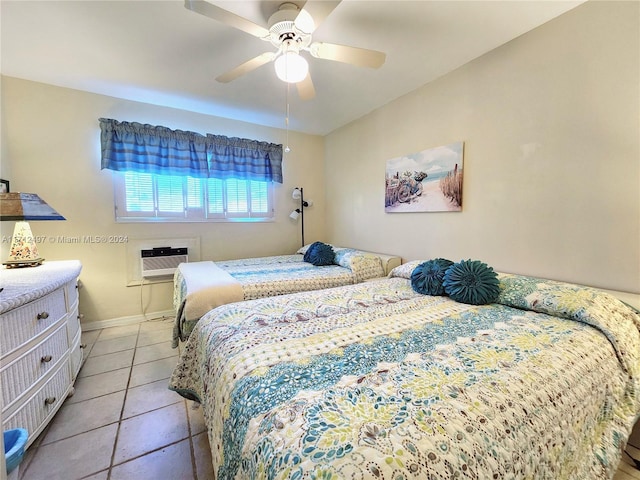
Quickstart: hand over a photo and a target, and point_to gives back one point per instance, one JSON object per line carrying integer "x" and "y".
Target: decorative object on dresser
{"x": 20, "y": 207}
{"x": 40, "y": 350}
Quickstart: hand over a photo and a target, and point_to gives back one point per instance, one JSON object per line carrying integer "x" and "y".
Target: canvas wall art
{"x": 427, "y": 181}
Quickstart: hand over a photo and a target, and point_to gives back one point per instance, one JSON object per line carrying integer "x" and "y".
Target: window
{"x": 174, "y": 198}
{"x": 183, "y": 176}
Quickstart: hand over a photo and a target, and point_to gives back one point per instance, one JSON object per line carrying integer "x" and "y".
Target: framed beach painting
{"x": 427, "y": 181}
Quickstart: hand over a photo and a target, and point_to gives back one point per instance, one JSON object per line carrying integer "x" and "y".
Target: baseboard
{"x": 131, "y": 320}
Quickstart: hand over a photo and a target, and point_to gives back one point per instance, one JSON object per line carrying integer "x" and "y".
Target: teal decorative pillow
{"x": 320, "y": 254}
{"x": 427, "y": 277}
{"x": 471, "y": 281}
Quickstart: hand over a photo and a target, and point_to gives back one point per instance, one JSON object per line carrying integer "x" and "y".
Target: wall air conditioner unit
{"x": 161, "y": 261}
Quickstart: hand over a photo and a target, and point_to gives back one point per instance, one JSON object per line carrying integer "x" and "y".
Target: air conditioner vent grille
{"x": 162, "y": 265}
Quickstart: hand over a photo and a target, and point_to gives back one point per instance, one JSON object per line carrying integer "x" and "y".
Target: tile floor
{"x": 123, "y": 423}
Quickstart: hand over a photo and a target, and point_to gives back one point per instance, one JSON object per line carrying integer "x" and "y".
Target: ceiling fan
{"x": 289, "y": 31}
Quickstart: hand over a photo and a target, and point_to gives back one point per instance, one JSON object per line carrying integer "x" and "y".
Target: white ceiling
{"x": 159, "y": 52}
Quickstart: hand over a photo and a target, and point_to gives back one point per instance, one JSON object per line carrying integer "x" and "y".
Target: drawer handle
{"x": 49, "y": 400}
{"x": 46, "y": 359}
{"x": 43, "y": 315}
{"x": 83, "y": 345}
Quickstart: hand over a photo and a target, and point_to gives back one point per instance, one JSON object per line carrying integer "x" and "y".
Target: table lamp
{"x": 20, "y": 207}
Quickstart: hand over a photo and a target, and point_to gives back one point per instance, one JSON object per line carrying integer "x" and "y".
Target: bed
{"x": 375, "y": 380}
{"x": 201, "y": 286}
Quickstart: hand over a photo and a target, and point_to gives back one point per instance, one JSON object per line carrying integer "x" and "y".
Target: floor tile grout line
{"x": 124, "y": 402}
{"x": 124, "y": 389}
{"x": 194, "y": 469}
{"x": 128, "y": 460}
{"x": 132, "y": 364}
{"x": 102, "y": 338}
{"x": 136, "y": 457}
{"x": 189, "y": 431}
{"x": 126, "y": 336}
{"x": 43, "y": 435}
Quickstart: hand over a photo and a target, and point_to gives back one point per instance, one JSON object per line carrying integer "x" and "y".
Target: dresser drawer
{"x": 28, "y": 321}
{"x": 18, "y": 376}
{"x": 39, "y": 408}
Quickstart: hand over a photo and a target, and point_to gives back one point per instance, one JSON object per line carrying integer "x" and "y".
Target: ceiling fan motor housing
{"x": 282, "y": 27}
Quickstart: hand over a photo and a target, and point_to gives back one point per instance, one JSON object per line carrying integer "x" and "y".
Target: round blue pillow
{"x": 472, "y": 282}
{"x": 427, "y": 277}
{"x": 320, "y": 254}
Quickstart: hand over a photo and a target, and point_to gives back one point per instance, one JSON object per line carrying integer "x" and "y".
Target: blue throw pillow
{"x": 472, "y": 282}
{"x": 319, "y": 254}
{"x": 427, "y": 277}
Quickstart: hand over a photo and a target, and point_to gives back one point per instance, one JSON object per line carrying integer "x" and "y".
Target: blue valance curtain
{"x": 243, "y": 158}
{"x": 132, "y": 146}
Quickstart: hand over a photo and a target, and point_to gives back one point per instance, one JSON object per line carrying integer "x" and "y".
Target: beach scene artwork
{"x": 427, "y": 181}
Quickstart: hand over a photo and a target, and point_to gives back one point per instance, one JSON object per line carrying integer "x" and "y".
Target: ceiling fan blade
{"x": 314, "y": 13}
{"x": 305, "y": 88}
{"x": 353, "y": 55}
{"x": 221, "y": 15}
{"x": 246, "y": 67}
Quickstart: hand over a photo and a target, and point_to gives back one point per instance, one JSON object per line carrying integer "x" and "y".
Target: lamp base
{"x": 23, "y": 263}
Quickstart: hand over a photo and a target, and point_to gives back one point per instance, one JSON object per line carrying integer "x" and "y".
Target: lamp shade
{"x": 25, "y": 206}
{"x": 291, "y": 67}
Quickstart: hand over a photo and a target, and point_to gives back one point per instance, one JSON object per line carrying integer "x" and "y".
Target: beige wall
{"x": 550, "y": 123}
{"x": 51, "y": 146}
{"x": 551, "y": 128}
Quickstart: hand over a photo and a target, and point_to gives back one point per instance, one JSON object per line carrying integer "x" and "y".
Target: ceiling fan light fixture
{"x": 291, "y": 67}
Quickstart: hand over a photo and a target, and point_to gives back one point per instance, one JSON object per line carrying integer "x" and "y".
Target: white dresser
{"x": 40, "y": 351}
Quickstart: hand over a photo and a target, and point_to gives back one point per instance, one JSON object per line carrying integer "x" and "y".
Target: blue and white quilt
{"x": 278, "y": 275}
{"x": 377, "y": 381}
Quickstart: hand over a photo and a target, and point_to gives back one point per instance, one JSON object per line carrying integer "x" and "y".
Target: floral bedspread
{"x": 376, "y": 381}
{"x": 281, "y": 274}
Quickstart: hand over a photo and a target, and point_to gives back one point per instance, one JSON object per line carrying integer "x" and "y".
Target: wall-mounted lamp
{"x": 20, "y": 207}
{"x": 298, "y": 194}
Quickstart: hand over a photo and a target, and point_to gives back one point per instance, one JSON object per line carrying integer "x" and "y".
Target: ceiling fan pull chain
{"x": 286, "y": 121}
